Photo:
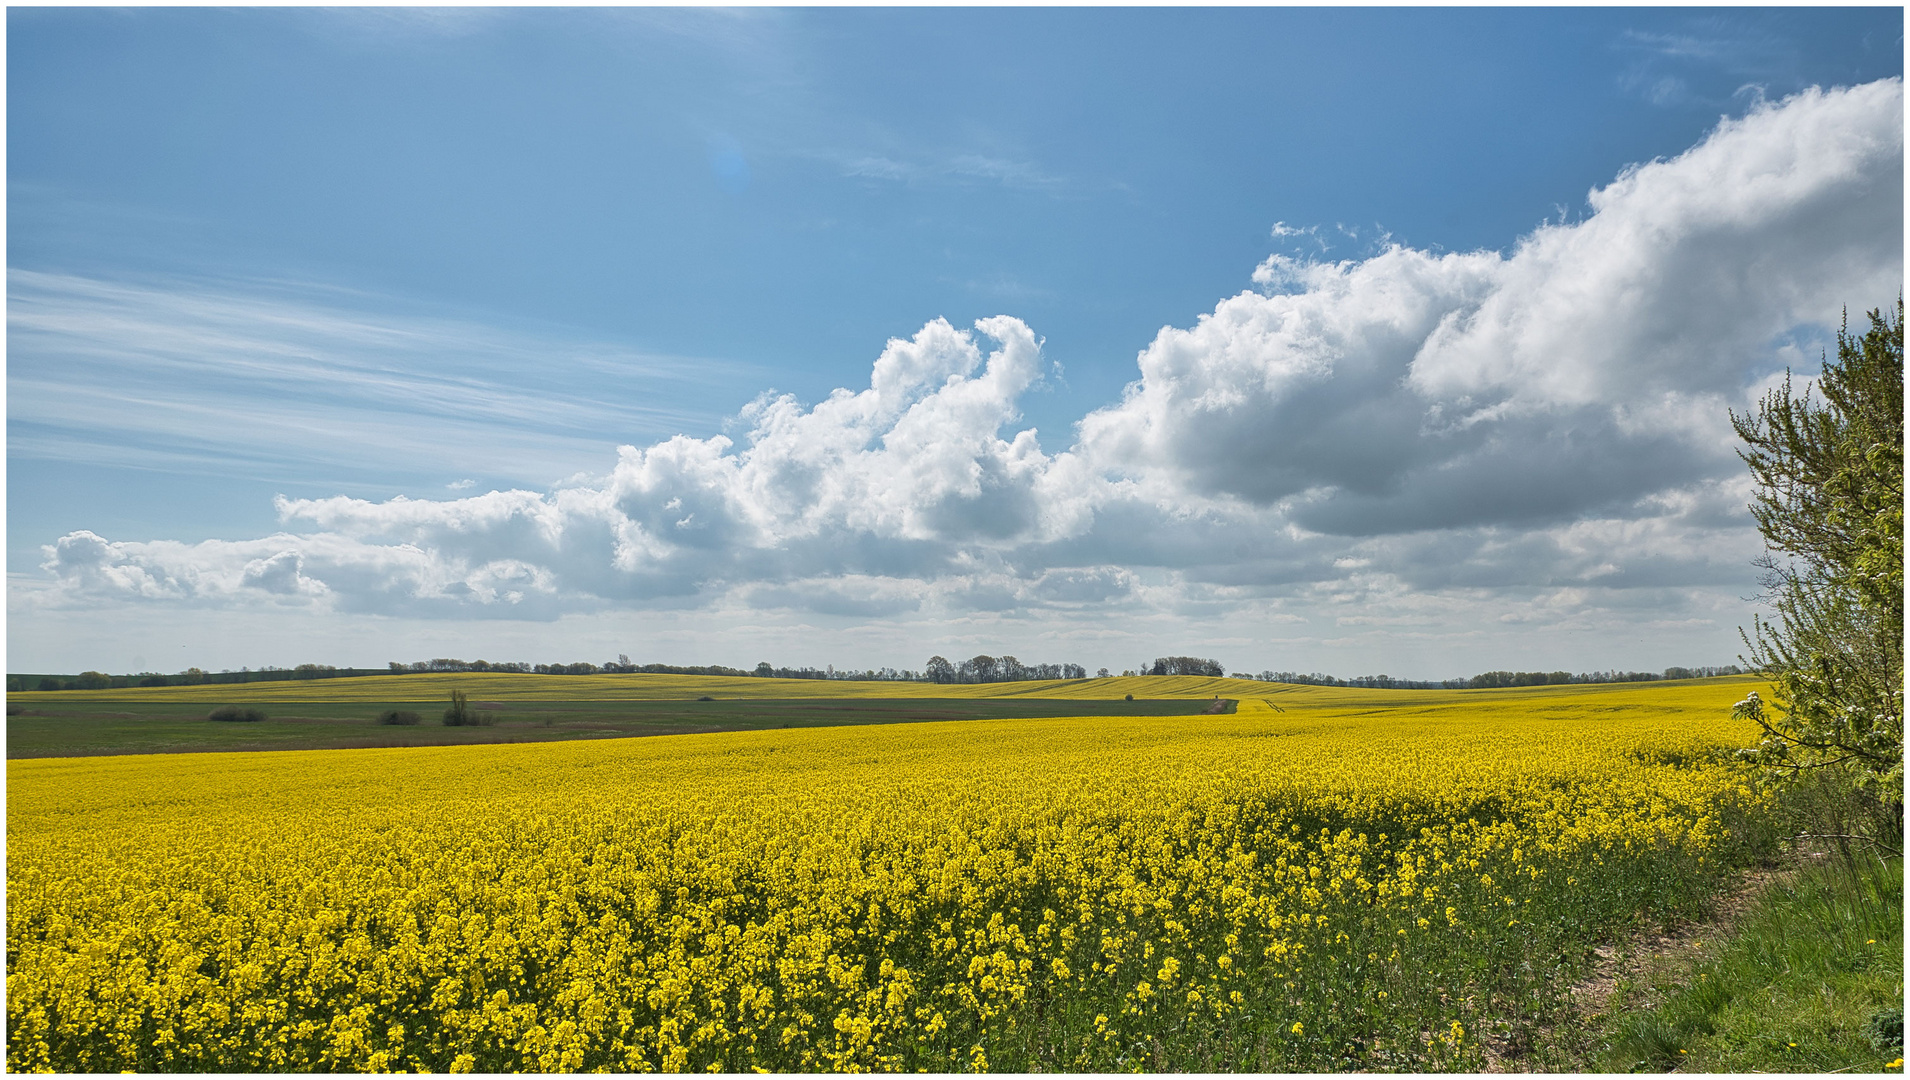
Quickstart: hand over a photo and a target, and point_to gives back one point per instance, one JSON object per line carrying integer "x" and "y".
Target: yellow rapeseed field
{"x": 1325, "y": 879}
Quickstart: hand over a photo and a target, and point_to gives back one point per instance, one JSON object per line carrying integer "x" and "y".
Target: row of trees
{"x": 992, "y": 669}
{"x": 1185, "y": 665}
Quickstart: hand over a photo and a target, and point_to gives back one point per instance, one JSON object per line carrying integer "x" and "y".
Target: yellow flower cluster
{"x": 1302, "y": 889}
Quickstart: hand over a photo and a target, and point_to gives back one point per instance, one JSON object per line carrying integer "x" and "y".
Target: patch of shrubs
{"x": 14, "y": 709}
{"x": 239, "y": 713}
{"x": 398, "y": 716}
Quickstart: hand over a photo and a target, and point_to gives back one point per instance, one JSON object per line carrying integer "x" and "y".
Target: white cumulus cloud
{"x": 1590, "y": 367}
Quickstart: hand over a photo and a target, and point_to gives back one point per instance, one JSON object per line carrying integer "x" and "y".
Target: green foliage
{"x": 1830, "y": 505}
{"x": 398, "y": 716}
{"x": 236, "y": 713}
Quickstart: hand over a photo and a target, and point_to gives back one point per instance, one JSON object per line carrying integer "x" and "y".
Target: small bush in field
{"x": 236, "y": 713}
{"x": 398, "y": 716}
{"x": 461, "y": 714}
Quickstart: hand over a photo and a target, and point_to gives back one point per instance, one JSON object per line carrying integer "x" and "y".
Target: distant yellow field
{"x": 1363, "y": 880}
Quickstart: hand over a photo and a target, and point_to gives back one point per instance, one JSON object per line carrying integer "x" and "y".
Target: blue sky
{"x": 343, "y": 256}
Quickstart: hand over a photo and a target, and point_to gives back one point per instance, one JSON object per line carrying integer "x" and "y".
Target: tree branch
{"x": 1847, "y": 836}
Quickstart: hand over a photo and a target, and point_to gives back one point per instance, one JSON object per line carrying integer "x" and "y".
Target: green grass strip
{"x": 1807, "y": 983}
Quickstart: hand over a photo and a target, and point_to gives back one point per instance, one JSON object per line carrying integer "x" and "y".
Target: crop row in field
{"x": 1324, "y": 887}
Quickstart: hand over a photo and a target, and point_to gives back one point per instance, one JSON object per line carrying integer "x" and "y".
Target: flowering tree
{"x": 1830, "y": 505}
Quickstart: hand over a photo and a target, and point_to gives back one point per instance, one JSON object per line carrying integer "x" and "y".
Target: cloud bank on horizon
{"x": 1550, "y": 421}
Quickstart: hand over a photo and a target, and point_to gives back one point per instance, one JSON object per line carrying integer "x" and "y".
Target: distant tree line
{"x": 622, "y": 665}
{"x": 1497, "y": 679}
{"x": 976, "y": 669}
{"x": 445, "y": 664}
{"x": 1551, "y": 678}
{"x": 95, "y": 680}
{"x": 766, "y": 670}
{"x": 1379, "y": 682}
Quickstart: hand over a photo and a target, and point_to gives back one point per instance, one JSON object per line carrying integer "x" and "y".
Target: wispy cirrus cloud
{"x": 1664, "y": 65}
{"x": 968, "y": 168}
{"x": 229, "y": 376}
